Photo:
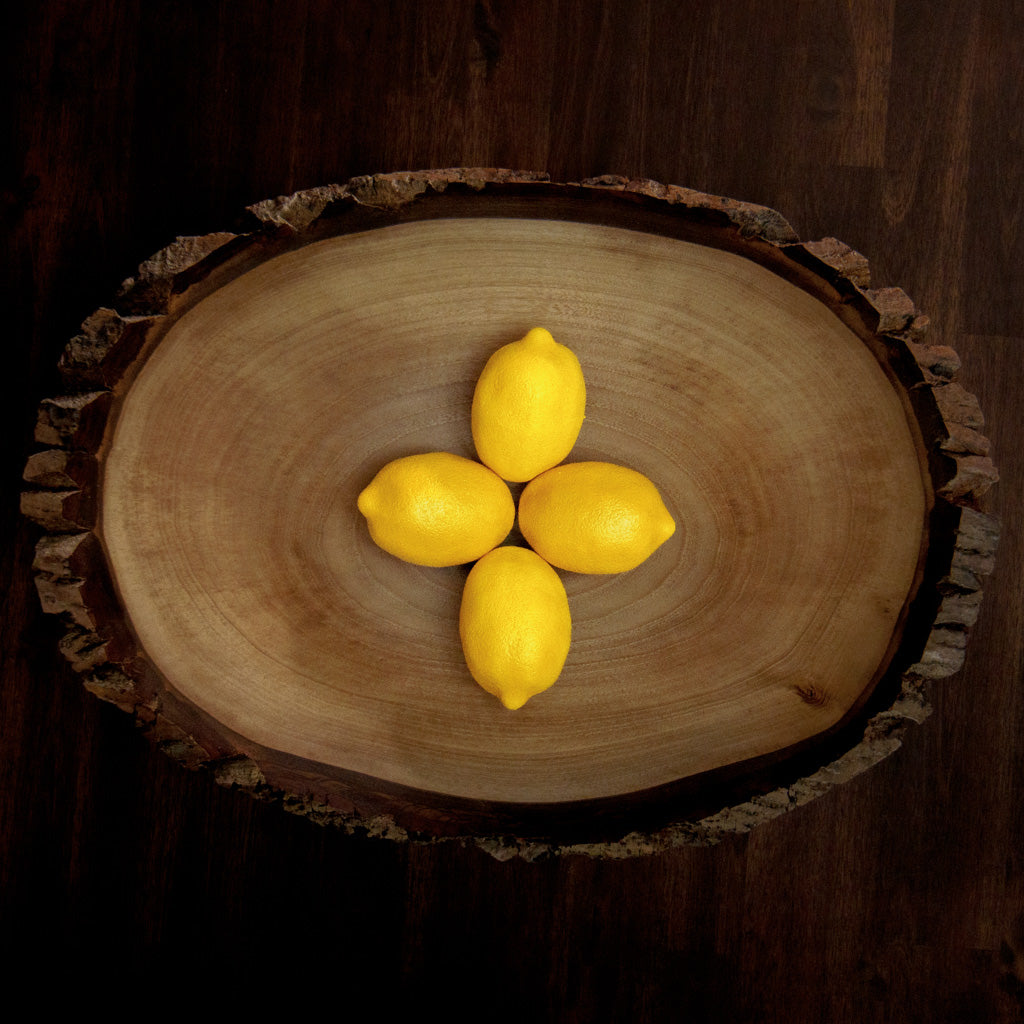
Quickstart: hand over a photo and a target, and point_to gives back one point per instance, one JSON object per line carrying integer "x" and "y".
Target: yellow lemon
{"x": 594, "y": 517}
{"x": 528, "y": 406}
{"x": 515, "y": 624}
{"x": 437, "y": 509}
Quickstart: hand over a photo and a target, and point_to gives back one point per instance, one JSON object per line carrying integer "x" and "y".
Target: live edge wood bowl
{"x": 198, "y": 484}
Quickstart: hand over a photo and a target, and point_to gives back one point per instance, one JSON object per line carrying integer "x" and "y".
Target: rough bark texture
{"x": 72, "y": 578}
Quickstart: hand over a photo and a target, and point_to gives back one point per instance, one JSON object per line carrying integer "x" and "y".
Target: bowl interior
{"x": 777, "y": 441}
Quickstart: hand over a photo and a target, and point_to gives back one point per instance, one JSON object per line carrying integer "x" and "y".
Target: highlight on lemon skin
{"x": 528, "y": 406}
{"x": 594, "y": 517}
{"x": 437, "y": 509}
{"x": 515, "y": 625}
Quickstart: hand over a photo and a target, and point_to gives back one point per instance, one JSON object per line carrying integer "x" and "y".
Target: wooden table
{"x": 891, "y": 125}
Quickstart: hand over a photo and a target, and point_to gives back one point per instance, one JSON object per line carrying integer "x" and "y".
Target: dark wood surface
{"x": 892, "y": 125}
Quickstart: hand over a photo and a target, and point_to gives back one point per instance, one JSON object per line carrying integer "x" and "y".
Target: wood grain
{"x": 900, "y": 896}
{"x": 242, "y": 446}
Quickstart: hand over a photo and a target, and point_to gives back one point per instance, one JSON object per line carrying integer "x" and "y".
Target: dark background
{"x": 893, "y": 125}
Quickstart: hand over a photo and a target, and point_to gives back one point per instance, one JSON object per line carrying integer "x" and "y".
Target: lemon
{"x": 528, "y": 406}
{"x": 437, "y": 509}
{"x": 515, "y": 624}
{"x": 594, "y": 517}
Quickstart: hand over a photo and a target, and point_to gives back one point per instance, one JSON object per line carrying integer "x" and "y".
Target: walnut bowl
{"x": 197, "y": 486}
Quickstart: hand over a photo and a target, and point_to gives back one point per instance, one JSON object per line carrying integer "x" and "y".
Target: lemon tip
{"x": 538, "y": 336}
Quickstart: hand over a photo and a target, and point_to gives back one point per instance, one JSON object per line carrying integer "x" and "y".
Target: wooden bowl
{"x": 199, "y": 495}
